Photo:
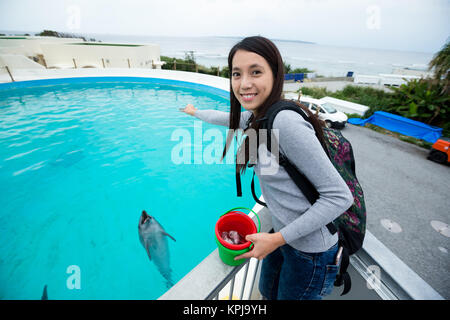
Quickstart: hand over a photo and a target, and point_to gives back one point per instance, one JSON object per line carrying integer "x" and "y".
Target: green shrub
{"x": 288, "y": 69}
{"x": 189, "y": 57}
{"x": 375, "y": 99}
{"x": 301, "y": 70}
{"x": 189, "y": 64}
{"x": 316, "y": 92}
{"x": 353, "y": 115}
{"x": 51, "y": 33}
{"x": 182, "y": 64}
{"x": 225, "y": 72}
{"x": 423, "y": 100}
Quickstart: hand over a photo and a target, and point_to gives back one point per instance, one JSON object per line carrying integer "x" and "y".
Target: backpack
{"x": 351, "y": 225}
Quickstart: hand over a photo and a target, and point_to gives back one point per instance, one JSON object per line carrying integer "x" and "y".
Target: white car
{"x": 329, "y": 114}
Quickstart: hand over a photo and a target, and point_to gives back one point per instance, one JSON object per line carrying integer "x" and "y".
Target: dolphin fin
{"x": 166, "y": 234}
{"x": 44, "y": 294}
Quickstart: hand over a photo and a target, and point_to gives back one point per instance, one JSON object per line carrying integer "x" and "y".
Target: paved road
{"x": 401, "y": 185}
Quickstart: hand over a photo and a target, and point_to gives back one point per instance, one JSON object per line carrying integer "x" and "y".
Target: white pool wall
{"x": 38, "y": 74}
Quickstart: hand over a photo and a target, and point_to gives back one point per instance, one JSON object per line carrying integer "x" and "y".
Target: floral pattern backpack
{"x": 352, "y": 223}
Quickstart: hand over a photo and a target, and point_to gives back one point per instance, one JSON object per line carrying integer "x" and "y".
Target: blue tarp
{"x": 294, "y": 76}
{"x": 401, "y": 125}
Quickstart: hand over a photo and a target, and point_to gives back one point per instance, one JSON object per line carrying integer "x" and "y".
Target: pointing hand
{"x": 189, "y": 109}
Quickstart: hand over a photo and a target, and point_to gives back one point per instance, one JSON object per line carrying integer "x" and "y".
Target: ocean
{"x": 324, "y": 60}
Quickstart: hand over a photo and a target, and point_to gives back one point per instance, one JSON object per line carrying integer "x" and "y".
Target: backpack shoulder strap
{"x": 299, "y": 178}
{"x": 273, "y": 111}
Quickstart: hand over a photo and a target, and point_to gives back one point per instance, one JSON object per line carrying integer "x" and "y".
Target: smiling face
{"x": 251, "y": 79}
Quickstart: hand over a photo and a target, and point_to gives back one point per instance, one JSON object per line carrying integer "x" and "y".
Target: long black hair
{"x": 266, "y": 49}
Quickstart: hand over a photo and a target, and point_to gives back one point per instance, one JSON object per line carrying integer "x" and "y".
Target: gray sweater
{"x": 302, "y": 226}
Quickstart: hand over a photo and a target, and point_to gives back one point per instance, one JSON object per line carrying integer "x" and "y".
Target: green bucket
{"x": 228, "y": 255}
{"x": 244, "y": 225}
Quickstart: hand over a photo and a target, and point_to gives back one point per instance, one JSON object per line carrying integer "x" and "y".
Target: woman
{"x": 299, "y": 257}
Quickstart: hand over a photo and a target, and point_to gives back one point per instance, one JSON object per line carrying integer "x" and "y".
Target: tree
{"x": 51, "y": 33}
{"x": 287, "y": 67}
{"x": 189, "y": 57}
{"x": 441, "y": 65}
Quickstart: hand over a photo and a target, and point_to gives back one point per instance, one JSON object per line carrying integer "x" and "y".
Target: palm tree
{"x": 441, "y": 65}
{"x": 287, "y": 67}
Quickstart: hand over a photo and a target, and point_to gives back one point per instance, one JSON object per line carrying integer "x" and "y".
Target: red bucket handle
{"x": 233, "y": 210}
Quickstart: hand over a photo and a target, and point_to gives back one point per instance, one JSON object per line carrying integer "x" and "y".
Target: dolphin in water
{"x": 153, "y": 237}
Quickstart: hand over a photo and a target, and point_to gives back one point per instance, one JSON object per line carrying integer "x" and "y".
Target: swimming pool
{"x": 79, "y": 161}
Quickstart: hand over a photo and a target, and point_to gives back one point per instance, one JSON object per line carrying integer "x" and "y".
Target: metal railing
{"x": 102, "y": 63}
{"x": 10, "y": 75}
{"x": 191, "y": 67}
{"x": 230, "y": 280}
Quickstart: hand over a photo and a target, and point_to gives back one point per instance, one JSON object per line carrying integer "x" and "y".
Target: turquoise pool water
{"x": 79, "y": 161}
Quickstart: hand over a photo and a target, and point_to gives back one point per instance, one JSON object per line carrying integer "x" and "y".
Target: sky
{"x": 406, "y": 25}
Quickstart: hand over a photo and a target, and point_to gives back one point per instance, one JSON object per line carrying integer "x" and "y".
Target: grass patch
{"x": 375, "y": 99}
{"x": 353, "y": 115}
{"x": 417, "y": 142}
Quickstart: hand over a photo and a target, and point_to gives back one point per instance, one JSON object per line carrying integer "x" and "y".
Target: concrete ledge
{"x": 206, "y": 279}
{"x": 405, "y": 280}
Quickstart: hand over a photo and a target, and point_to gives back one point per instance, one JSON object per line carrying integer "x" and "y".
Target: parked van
{"x": 334, "y": 118}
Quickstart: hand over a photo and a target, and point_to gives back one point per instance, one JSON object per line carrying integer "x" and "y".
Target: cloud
{"x": 366, "y": 23}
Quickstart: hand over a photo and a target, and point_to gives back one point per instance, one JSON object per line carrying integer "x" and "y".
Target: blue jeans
{"x": 290, "y": 274}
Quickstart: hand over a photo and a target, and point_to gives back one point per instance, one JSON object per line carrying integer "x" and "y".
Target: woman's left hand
{"x": 263, "y": 244}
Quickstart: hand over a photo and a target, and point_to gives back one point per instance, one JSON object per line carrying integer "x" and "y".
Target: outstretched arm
{"x": 216, "y": 117}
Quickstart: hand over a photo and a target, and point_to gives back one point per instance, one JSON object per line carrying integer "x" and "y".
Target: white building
{"x": 396, "y": 78}
{"x": 29, "y": 46}
{"x": 101, "y": 55}
{"x": 62, "y": 53}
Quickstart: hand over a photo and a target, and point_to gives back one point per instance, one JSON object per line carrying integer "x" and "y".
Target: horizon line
{"x": 217, "y": 36}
